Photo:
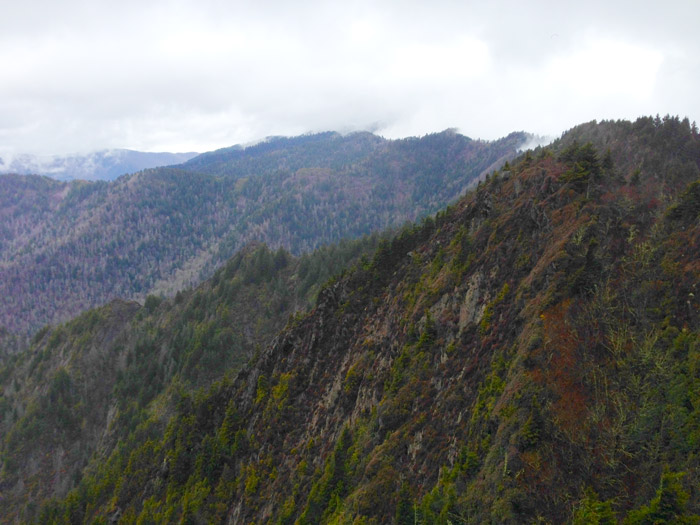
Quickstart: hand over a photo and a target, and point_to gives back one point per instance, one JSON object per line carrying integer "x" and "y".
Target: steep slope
{"x": 530, "y": 355}
{"x": 82, "y": 388}
{"x": 66, "y": 247}
{"x": 100, "y": 165}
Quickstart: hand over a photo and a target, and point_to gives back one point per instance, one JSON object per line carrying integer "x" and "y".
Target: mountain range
{"x": 528, "y": 354}
{"x": 99, "y": 165}
{"x": 69, "y": 246}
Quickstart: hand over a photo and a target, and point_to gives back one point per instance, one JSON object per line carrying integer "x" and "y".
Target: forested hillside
{"x": 66, "y": 247}
{"x": 115, "y": 374}
{"x": 529, "y": 354}
{"x": 322, "y": 150}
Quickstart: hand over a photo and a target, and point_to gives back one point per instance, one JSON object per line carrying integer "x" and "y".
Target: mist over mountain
{"x": 335, "y": 313}
{"x": 100, "y": 165}
{"x": 528, "y": 354}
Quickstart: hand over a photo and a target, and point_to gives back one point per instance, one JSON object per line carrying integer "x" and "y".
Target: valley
{"x": 528, "y": 353}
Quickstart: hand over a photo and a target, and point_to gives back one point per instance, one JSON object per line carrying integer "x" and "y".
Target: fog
{"x": 194, "y": 76}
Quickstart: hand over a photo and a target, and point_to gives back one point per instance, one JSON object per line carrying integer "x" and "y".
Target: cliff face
{"x": 533, "y": 342}
{"x": 530, "y": 354}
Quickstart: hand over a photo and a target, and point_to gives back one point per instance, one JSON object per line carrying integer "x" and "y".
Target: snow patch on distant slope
{"x": 100, "y": 165}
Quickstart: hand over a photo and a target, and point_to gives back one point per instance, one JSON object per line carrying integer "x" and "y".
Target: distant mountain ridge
{"x": 69, "y": 246}
{"x": 322, "y": 150}
{"x": 529, "y": 354}
{"x": 100, "y": 165}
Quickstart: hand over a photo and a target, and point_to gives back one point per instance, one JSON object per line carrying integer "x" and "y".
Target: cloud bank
{"x": 193, "y": 76}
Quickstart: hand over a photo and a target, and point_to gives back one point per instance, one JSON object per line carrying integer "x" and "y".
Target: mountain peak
{"x": 528, "y": 353}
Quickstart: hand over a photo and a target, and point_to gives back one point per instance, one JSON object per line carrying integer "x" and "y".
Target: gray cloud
{"x": 186, "y": 75}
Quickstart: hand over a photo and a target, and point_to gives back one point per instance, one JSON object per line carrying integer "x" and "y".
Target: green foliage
{"x": 486, "y": 319}
{"x": 405, "y": 506}
{"x": 575, "y": 391}
{"x": 261, "y": 390}
{"x": 327, "y": 493}
{"x": 687, "y": 209}
{"x": 668, "y": 506}
{"x": 152, "y": 303}
{"x": 592, "y": 511}
{"x": 582, "y": 158}
{"x": 462, "y": 245}
{"x": 352, "y": 379}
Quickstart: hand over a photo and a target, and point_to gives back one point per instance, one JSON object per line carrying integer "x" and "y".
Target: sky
{"x": 196, "y": 75}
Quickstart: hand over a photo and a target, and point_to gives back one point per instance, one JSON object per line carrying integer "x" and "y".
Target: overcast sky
{"x": 195, "y": 75}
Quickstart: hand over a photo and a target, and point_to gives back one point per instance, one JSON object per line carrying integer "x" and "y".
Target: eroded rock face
{"x": 487, "y": 366}
{"x": 472, "y": 308}
{"x": 438, "y": 362}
